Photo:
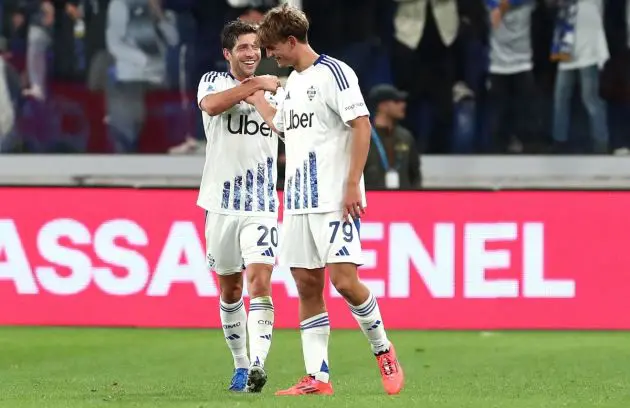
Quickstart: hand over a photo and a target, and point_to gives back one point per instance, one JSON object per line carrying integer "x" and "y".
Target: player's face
{"x": 398, "y": 109}
{"x": 245, "y": 56}
{"x": 282, "y": 52}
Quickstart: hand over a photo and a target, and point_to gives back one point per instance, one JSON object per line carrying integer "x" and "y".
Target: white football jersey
{"x": 318, "y": 104}
{"x": 240, "y": 173}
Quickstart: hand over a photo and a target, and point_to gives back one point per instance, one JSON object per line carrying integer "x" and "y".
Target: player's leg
{"x": 298, "y": 251}
{"x": 344, "y": 254}
{"x": 224, "y": 257}
{"x": 259, "y": 244}
{"x": 234, "y": 316}
{"x": 314, "y": 321}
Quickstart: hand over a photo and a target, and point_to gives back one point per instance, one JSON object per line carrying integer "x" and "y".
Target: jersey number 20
{"x": 271, "y": 232}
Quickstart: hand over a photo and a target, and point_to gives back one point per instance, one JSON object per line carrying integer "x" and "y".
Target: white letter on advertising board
{"x": 15, "y": 267}
{"x": 534, "y": 283}
{"x": 78, "y": 262}
{"x": 135, "y": 264}
{"x": 477, "y": 259}
{"x": 183, "y": 240}
{"x": 406, "y": 247}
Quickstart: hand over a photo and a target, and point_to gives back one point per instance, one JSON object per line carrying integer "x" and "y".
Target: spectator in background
{"x": 393, "y": 160}
{"x": 424, "y": 62}
{"x": 15, "y": 30}
{"x": 351, "y": 30}
{"x": 511, "y": 83}
{"x": 10, "y": 90}
{"x": 95, "y": 16}
{"x": 580, "y": 45}
{"x": 615, "y": 78}
{"x": 79, "y": 37}
{"x": 98, "y": 58}
{"x": 2, "y": 23}
{"x": 138, "y": 32}
{"x": 38, "y": 46}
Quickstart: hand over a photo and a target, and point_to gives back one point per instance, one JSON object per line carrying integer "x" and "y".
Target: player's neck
{"x": 239, "y": 78}
{"x": 306, "y": 58}
{"x": 384, "y": 121}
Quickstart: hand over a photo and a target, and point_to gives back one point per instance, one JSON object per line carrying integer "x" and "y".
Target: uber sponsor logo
{"x": 246, "y": 126}
{"x": 296, "y": 121}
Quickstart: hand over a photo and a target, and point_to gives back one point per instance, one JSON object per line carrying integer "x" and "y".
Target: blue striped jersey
{"x": 314, "y": 112}
{"x": 240, "y": 173}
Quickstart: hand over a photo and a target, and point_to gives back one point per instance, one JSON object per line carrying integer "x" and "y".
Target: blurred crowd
{"x": 440, "y": 76}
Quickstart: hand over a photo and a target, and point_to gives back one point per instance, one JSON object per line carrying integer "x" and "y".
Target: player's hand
{"x": 255, "y": 97}
{"x": 353, "y": 202}
{"x": 268, "y": 83}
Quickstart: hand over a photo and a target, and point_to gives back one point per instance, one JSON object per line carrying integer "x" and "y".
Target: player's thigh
{"x": 297, "y": 245}
{"x": 222, "y": 243}
{"x": 258, "y": 240}
{"x": 337, "y": 241}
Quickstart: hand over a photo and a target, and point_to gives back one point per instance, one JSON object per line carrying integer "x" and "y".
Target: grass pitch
{"x": 55, "y": 368}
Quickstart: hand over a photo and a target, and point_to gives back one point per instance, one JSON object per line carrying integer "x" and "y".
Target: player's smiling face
{"x": 282, "y": 52}
{"x": 245, "y": 56}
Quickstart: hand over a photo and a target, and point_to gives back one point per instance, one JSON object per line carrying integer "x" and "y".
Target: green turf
{"x": 54, "y": 368}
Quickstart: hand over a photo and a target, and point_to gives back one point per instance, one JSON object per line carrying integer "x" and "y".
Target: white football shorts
{"x": 313, "y": 240}
{"x": 234, "y": 241}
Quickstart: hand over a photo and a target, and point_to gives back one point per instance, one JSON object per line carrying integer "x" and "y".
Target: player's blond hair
{"x": 283, "y": 22}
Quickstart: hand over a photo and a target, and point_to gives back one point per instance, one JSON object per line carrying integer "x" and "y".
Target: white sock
{"x": 234, "y": 321}
{"x": 260, "y": 328}
{"x": 369, "y": 318}
{"x": 315, "y": 333}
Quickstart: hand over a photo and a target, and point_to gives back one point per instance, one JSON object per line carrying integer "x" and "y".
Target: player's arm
{"x": 345, "y": 99}
{"x": 360, "y": 147}
{"x": 270, "y": 114}
{"x": 215, "y": 103}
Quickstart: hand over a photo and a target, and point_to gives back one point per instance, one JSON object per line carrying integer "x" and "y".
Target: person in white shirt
{"x": 511, "y": 81}
{"x": 327, "y": 133}
{"x": 580, "y": 46}
{"x": 238, "y": 192}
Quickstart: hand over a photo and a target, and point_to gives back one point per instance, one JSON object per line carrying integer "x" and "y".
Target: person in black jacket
{"x": 393, "y": 160}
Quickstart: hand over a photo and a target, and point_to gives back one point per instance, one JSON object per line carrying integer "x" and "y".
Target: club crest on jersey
{"x": 211, "y": 262}
{"x": 311, "y": 92}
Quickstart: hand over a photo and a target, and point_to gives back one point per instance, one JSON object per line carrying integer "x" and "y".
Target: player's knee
{"x": 258, "y": 281}
{"x": 232, "y": 295}
{"x": 346, "y": 285}
{"x": 231, "y": 291}
{"x": 309, "y": 285}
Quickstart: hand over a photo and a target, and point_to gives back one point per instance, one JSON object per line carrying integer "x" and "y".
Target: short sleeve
{"x": 210, "y": 83}
{"x": 343, "y": 93}
{"x": 278, "y": 119}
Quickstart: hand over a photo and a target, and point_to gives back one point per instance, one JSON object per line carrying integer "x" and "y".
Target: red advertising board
{"x": 457, "y": 260}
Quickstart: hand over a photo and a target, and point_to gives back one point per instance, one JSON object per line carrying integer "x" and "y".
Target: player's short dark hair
{"x": 233, "y": 30}
{"x": 283, "y": 22}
